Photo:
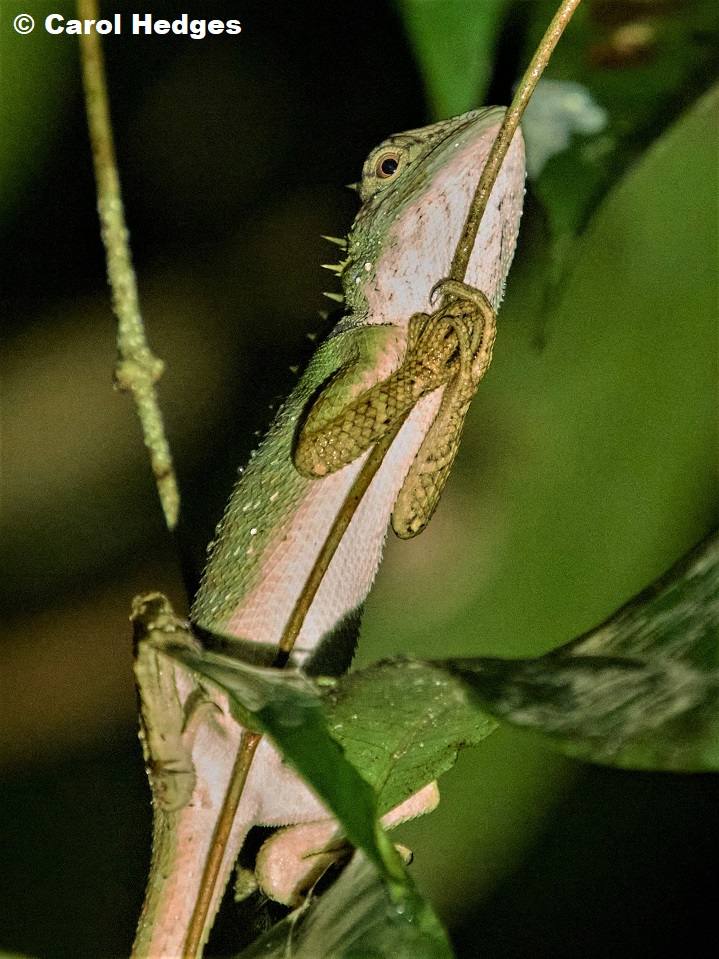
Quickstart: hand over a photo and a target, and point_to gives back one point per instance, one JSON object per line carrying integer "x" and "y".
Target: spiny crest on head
{"x": 336, "y": 268}
{"x": 337, "y": 240}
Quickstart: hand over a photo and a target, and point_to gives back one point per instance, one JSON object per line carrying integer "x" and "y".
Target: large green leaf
{"x": 640, "y": 691}
{"x": 402, "y": 724}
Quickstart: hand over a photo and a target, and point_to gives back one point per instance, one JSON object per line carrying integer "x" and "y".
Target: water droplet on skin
{"x": 253, "y": 531}
{"x": 368, "y": 267}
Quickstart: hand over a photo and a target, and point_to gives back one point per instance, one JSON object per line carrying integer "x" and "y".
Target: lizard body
{"x": 385, "y": 359}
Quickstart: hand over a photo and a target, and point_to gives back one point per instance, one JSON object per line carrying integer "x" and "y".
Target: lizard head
{"x": 416, "y": 188}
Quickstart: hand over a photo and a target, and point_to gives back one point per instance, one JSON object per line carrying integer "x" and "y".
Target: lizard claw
{"x": 458, "y": 290}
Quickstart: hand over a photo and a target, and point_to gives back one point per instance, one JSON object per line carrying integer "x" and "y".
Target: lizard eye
{"x": 387, "y": 165}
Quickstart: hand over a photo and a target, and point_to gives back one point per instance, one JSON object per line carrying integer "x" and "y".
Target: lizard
{"x": 391, "y": 365}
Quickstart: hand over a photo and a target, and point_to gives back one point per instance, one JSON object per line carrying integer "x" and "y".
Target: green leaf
{"x": 640, "y": 69}
{"x": 641, "y": 691}
{"x": 357, "y": 918}
{"x": 454, "y": 42}
{"x": 402, "y": 723}
{"x": 288, "y": 709}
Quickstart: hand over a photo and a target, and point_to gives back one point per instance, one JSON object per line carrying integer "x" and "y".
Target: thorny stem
{"x": 137, "y": 369}
{"x": 501, "y": 144}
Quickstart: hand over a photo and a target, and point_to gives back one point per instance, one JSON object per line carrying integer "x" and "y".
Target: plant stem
{"x": 250, "y": 741}
{"x": 137, "y": 369}
{"x": 248, "y": 746}
{"x": 334, "y": 538}
{"x": 501, "y": 144}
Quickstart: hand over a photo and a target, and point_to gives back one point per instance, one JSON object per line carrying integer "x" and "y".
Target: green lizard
{"x": 388, "y": 365}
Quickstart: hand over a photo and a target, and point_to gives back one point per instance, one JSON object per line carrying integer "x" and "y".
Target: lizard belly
{"x": 264, "y": 611}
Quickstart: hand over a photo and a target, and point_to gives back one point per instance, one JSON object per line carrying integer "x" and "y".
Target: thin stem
{"x": 210, "y": 874}
{"x": 250, "y": 741}
{"x": 137, "y": 369}
{"x": 334, "y": 538}
{"x": 501, "y": 144}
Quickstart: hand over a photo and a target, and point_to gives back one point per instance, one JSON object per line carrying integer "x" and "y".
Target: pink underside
{"x": 262, "y": 616}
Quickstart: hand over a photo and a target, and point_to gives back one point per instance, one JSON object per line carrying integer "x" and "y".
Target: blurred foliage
{"x": 28, "y": 128}
{"x": 624, "y": 70}
{"x": 642, "y": 62}
{"x": 587, "y": 467}
{"x": 454, "y": 42}
{"x": 640, "y": 692}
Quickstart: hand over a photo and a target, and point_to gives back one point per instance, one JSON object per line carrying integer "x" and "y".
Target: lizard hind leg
{"x": 474, "y": 322}
{"x": 326, "y": 443}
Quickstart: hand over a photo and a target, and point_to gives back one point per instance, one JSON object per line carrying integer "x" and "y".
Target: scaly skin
{"x": 401, "y": 244}
{"x": 386, "y": 356}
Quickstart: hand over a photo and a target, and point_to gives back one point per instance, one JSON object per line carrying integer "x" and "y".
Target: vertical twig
{"x": 464, "y": 248}
{"x": 250, "y": 741}
{"x": 137, "y": 369}
{"x": 460, "y": 261}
